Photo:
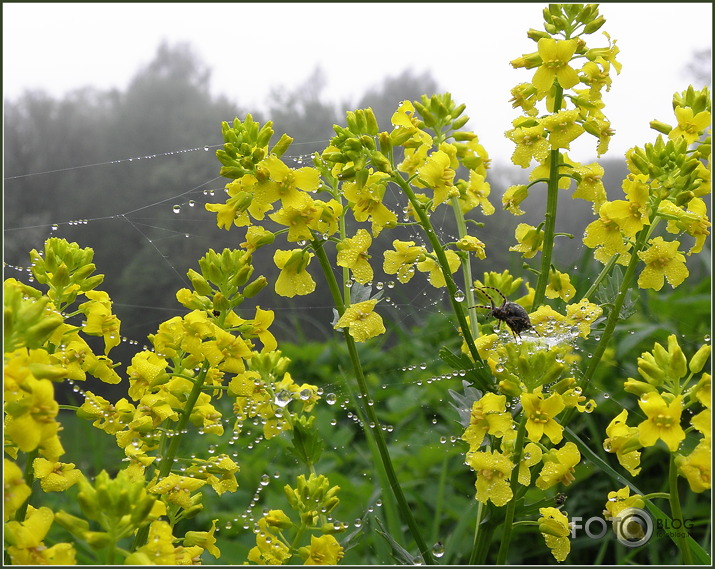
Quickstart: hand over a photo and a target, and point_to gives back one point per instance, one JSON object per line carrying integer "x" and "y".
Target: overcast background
{"x": 252, "y": 48}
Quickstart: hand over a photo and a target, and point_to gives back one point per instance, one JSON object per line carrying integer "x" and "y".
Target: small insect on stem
{"x": 510, "y": 312}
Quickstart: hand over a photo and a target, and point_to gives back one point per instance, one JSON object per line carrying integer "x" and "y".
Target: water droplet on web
{"x": 54, "y": 227}
{"x": 265, "y": 479}
{"x": 206, "y": 148}
{"x": 283, "y": 397}
{"x": 459, "y": 296}
{"x": 438, "y": 549}
{"x": 192, "y": 203}
{"x": 176, "y": 209}
{"x": 331, "y": 398}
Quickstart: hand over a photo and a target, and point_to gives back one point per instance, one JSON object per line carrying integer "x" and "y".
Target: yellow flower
{"x": 147, "y": 371}
{"x": 362, "y": 321}
{"x": 100, "y": 320}
{"x": 625, "y": 442}
{"x": 290, "y": 182}
{"x": 256, "y": 328}
{"x": 590, "y": 185}
{"x": 605, "y": 236}
{"x": 269, "y": 549}
{"x": 559, "y": 466}
{"x": 663, "y": 261}
{"x": 476, "y": 193}
{"x": 438, "y": 175}
{"x": 177, "y": 489}
{"x": 694, "y": 221}
{"x": 431, "y": 266}
{"x": 663, "y": 421}
{"x": 689, "y": 127}
{"x": 583, "y": 314}
{"x": 555, "y": 56}
{"x": 696, "y": 467}
{"x": 323, "y": 550}
{"x": 401, "y": 261}
{"x": 16, "y": 491}
{"x": 563, "y": 128}
{"x": 226, "y": 352}
{"x": 512, "y": 198}
{"x": 352, "y": 253}
{"x": 488, "y": 416}
{"x": 298, "y": 218}
{"x": 366, "y": 202}
{"x": 530, "y": 240}
{"x": 540, "y": 413}
{"x": 620, "y": 500}
{"x": 257, "y": 236}
{"x": 554, "y": 526}
{"x": 208, "y": 470}
{"x": 532, "y": 455}
{"x": 293, "y": 278}
{"x": 204, "y": 539}
{"x": 470, "y": 243}
{"x": 233, "y": 211}
{"x": 530, "y": 145}
{"x": 30, "y": 421}
{"x": 55, "y": 476}
{"x": 493, "y": 471}
{"x": 159, "y": 548}
{"x": 26, "y": 545}
{"x": 559, "y": 285}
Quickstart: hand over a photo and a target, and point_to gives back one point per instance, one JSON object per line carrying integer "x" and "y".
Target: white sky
{"x": 252, "y": 47}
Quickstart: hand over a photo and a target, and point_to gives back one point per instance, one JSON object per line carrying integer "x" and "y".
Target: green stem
{"x": 466, "y": 268}
{"x": 614, "y": 315}
{"x": 374, "y": 423}
{"x": 29, "y": 477}
{"x": 168, "y": 457}
{"x": 677, "y": 513}
{"x": 602, "y": 275}
{"x": 513, "y": 483}
{"x": 451, "y": 285}
{"x": 482, "y": 537}
{"x": 550, "y": 216}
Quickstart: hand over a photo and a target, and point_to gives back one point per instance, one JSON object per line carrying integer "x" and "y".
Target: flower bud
{"x": 200, "y": 284}
{"x": 536, "y": 35}
{"x": 367, "y": 142}
{"x": 255, "y": 287}
{"x": 698, "y": 361}
{"x": 637, "y": 387}
{"x": 460, "y": 122}
{"x": 372, "y": 127}
{"x": 678, "y": 362}
{"x": 264, "y": 135}
{"x": 594, "y": 25}
{"x": 282, "y": 145}
{"x": 660, "y": 126}
{"x": 380, "y": 163}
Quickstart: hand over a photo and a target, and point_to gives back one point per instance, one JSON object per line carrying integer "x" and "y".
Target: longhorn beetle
{"x": 510, "y": 312}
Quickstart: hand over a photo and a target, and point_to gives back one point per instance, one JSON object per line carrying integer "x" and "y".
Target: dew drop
{"x": 331, "y": 398}
{"x": 438, "y": 549}
{"x": 176, "y": 209}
